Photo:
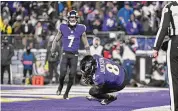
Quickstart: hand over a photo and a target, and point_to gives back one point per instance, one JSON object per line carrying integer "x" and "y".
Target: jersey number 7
{"x": 71, "y": 38}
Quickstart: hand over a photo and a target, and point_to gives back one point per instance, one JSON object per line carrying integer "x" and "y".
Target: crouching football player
{"x": 105, "y": 76}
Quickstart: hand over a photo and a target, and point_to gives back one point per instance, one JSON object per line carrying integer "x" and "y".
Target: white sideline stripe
{"x": 81, "y": 87}
{"x": 19, "y": 99}
{"x": 170, "y": 76}
{"x": 43, "y": 96}
{"x": 159, "y": 108}
{"x": 51, "y": 91}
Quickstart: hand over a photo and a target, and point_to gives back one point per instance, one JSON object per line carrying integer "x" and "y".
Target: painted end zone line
{"x": 159, "y": 108}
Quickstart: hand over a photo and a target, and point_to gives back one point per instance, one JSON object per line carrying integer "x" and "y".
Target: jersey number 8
{"x": 112, "y": 68}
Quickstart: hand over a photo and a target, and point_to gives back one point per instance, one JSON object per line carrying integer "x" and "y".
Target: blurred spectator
{"x": 28, "y": 59}
{"x": 129, "y": 56}
{"x": 116, "y": 54}
{"x": 96, "y": 48}
{"x": 17, "y": 25}
{"x": 90, "y": 19}
{"x": 26, "y": 27}
{"x": 93, "y": 14}
{"x": 38, "y": 32}
{"x": 133, "y": 27}
{"x": 6, "y": 12}
{"x": 125, "y": 13}
{"x": 109, "y": 23}
{"x": 51, "y": 12}
{"x": 6, "y": 28}
{"x": 20, "y": 11}
{"x": 152, "y": 9}
{"x": 137, "y": 10}
{"x": 1, "y": 24}
{"x": 60, "y": 7}
{"x": 31, "y": 41}
{"x": 107, "y": 51}
{"x": 133, "y": 44}
{"x": 33, "y": 20}
{"x": 7, "y": 52}
{"x": 145, "y": 10}
{"x": 52, "y": 61}
{"x": 97, "y": 25}
{"x": 145, "y": 20}
{"x": 34, "y": 7}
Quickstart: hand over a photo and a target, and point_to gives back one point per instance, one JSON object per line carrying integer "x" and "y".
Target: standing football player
{"x": 70, "y": 34}
{"x": 105, "y": 76}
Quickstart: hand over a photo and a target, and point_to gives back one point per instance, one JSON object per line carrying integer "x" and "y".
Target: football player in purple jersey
{"x": 104, "y": 75}
{"x": 70, "y": 35}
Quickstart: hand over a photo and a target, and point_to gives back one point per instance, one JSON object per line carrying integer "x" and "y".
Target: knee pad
{"x": 94, "y": 91}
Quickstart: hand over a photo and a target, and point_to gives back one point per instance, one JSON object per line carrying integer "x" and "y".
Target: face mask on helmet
{"x": 87, "y": 74}
{"x": 87, "y": 67}
{"x": 72, "y": 17}
{"x": 87, "y": 80}
{"x": 72, "y": 21}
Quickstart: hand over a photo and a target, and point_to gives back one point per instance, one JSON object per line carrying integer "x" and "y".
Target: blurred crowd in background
{"x": 40, "y": 19}
{"x": 34, "y": 23}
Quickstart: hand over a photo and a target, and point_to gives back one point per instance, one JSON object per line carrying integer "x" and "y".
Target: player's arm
{"x": 56, "y": 39}
{"x": 164, "y": 24}
{"x": 85, "y": 42}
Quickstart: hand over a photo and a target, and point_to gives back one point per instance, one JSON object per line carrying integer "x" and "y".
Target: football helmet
{"x": 72, "y": 17}
{"x": 88, "y": 67}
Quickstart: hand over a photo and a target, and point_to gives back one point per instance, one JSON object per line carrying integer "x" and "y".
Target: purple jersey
{"x": 108, "y": 72}
{"x": 71, "y": 38}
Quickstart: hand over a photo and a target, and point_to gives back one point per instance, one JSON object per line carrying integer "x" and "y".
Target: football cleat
{"x": 58, "y": 92}
{"x": 65, "y": 96}
{"x": 91, "y": 98}
{"x": 107, "y": 101}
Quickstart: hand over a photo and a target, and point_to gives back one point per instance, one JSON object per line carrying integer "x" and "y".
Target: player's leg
{"x": 63, "y": 71}
{"x": 172, "y": 61}
{"x": 30, "y": 72}
{"x": 100, "y": 94}
{"x": 24, "y": 75}
{"x": 56, "y": 73}
{"x": 9, "y": 74}
{"x": 2, "y": 74}
{"x": 97, "y": 92}
{"x": 73, "y": 68}
{"x": 50, "y": 71}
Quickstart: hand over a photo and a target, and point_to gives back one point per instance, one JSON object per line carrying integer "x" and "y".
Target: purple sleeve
{"x": 83, "y": 28}
{"x": 98, "y": 79}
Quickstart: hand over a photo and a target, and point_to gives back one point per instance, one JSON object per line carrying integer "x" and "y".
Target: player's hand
{"x": 155, "y": 53}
